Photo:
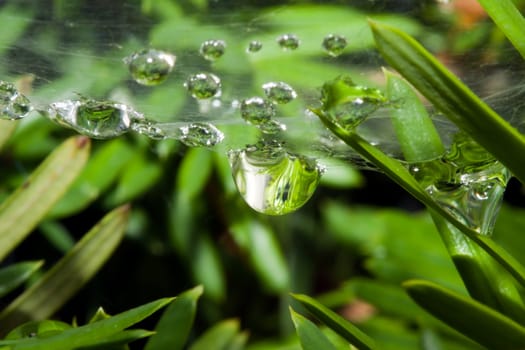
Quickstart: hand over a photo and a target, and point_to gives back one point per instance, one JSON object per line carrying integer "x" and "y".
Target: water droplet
{"x": 97, "y": 119}
{"x": 200, "y": 135}
{"x": 203, "y": 85}
{"x": 467, "y": 182}
{"x": 13, "y": 105}
{"x": 271, "y": 127}
{"x": 257, "y": 110}
{"x": 254, "y": 46}
{"x": 334, "y": 45}
{"x": 279, "y": 92}
{"x": 273, "y": 181}
{"x": 148, "y": 128}
{"x": 211, "y": 50}
{"x": 149, "y": 66}
{"x": 349, "y": 104}
{"x": 288, "y": 42}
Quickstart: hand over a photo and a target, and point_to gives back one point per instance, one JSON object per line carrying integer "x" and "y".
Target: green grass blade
{"x": 64, "y": 279}
{"x": 24, "y": 209}
{"x": 217, "y": 337}
{"x": 508, "y": 18}
{"x": 336, "y": 323}
{"x": 399, "y": 174}
{"x": 6, "y": 130}
{"x": 473, "y": 319}
{"x": 451, "y": 96}
{"x": 310, "y": 336}
{"x": 119, "y": 340}
{"x": 176, "y": 321}
{"x": 92, "y": 333}
{"x": 13, "y": 276}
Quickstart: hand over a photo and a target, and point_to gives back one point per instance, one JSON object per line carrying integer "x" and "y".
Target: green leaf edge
{"x": 310, "y": 336}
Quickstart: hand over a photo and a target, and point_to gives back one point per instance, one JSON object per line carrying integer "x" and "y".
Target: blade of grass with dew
{"x": 24, "y": 209}
{"x": 90, "y": 334}
{"x": 451, "y": 96}
{"x": 399, "y": 174}
{"x": 509, "y": 19}
{"x": 473, "y": 319}
{"x": 336, "y": 323}
{"x": 310, "y": 337}
{"x": 13, "y": 276}
{"x": 59, "y": 284}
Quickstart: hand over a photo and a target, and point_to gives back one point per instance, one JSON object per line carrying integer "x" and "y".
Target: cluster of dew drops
{"x": 102, "y": 119}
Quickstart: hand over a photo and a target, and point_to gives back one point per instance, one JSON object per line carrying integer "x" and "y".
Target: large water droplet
{"x": 288, "y": 41}
{"x": 334, "y": 45}
{"x": 279, "y": 92}
{"x": 257, "y": 110}
{"x": 203, "y": 85}
{"x": 200, "y": 135}
{"x": 349, "y": 104}
{"x": 13, "y": 105}
{"x": 467, "y": 182}
{"x": 150, "y": 67}
{"x": 211, "y": 50}
{"x": 97, "y": 119}
{"x": 273, "y": 181}
{"x": 254, "y": 46}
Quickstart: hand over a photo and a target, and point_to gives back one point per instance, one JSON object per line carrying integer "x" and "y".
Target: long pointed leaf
{"x": 310, "y": 336}
{"x": 335, "y": 322}
{"x": 14, "y": 275}
{"x": 475, "y": 320}
{"x": 43, "y": 298}
{"x": 22, "y": 211}
{"x": 451, "y": 96}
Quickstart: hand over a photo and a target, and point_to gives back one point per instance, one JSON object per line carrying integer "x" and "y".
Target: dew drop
{"x": 279, "y": 92}
{"x": 271, "y": 127}
{"x": 13, "y": 105}
{"x": 257, "y": 110}
{"x": 96, "y": 119}
{"x": 212, "y": 50}
{"x": 149, "y": 66}
{"x": 467, "y": 182}
{"x": 273, "y": 181}
{"x": 203, "y": 85}
{"x": 288, "y": 42}
{"x": 200, "y": 135}
{"x": 149, "y": 129}
{"x": 349, "y": 104}
{"x": 334, "y": 45}
{"x": 254, "y": 46}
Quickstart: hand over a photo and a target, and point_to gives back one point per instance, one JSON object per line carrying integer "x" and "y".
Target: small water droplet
{"x": 203, "y": 85}
{"x": 148, "y": 128}
{"x": 254, "y": 46}
{"x": 97, "y": 119}
{"x": 200, "y": 135}
{"x": 334, "y": 44}
{"x": 271, "y": 127}
{"x": 211, "y": 50}
{"x": 273, "y": 181}
{"x": 288, "y": 42}
{"x": 279, "y": 92}
{"x": 13, "y": 105}
{"x": 257, "y": 110}
{"x": 149, "y": 66}
{"x": 347, "y": 103}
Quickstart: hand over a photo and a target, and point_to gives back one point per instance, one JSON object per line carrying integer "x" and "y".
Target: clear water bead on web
{"x": 13, "y": 105}
{"x": 279, "y": 92}
{"x": 149, "y": 66}
{"x": 288, "y": 42}
{"x": 334, "y": 44}
{"x": 203, "y": 85}
{"x": 212, "y": 50}
{"x": 254, "y": 46}
{"x": 257, "y": 110}
{"x": 200, "y": 135}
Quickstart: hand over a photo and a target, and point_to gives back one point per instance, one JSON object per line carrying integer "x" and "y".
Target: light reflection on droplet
{"x": 149, "y": 66}
{"x": 212, "y": 50}
{"x": 203, "y": 85}
{"x": 279, "y": 92}
{"x": 13, "y": 105}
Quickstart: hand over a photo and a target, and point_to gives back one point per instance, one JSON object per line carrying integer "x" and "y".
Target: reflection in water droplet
{"x": 254, "y": 46}
{"x": 150, "y": 67}
{"x": 467, "y": 182}
{"x": 211, "y": 50}
{"x": 203, "y": 85}
{"x": 349, "y": 104}
{"x": 279, "y": 92}
{"x": 257, "y": 110}
{"x": 149, "y": 129}
{"x": 334, "y": 45}
{"x": 200, "y": 135}
{"x": 271, "y": 127}
{"x": 13, "y": 105}
{"x": 97, "y": 119}
{"x": 273, "y": 181}
{"x": 288, "y": 41}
